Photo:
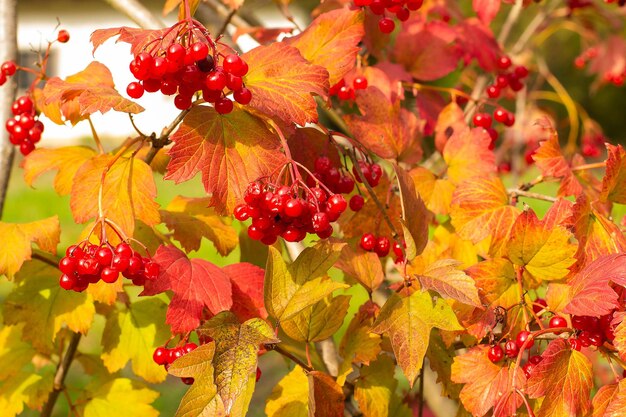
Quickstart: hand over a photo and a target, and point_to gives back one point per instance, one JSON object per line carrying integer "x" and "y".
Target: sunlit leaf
{"x": 120, "y": 397}
{"x": 319, "y": 321}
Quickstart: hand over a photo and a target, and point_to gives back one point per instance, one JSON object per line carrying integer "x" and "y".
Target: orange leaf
{"x": 331, "y": 41}
{"x": 307, "y": 143}
{"x": 436, "y": 193}
{"x": 231, "y": 151}
{"x": 564, "y": 378}
{"x": 480, "y": 209}
{"x": 620, "y": 333}
{"x": 18, "y": 238}
{"x": 444, "y": 277}
{"x": 66, "y": 161}
{"x": 91, "y": 89}
{"x": 614, "y": 181}
{"x": 414, "y": 214}
{"x": 128, "y": 192}
{"x": 385, "y": 128}
{"x": 282, "y": 83}
{"x": 365, "y": 267}
{"x": 325, "y": 396}
{"x": 137, "y": 38}
{"x": 467, "y": 155}
{"x": 487, "y": 385}
{"x": 451, "y": 121}
{"x": 610, "y": 400}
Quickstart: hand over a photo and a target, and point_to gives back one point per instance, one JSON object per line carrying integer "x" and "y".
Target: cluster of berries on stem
{"x": 185, "y": 61}
{"x": 401, "y": 9}
{"x": 24, "y": 128}
{"x": 345, "y": 91}
{"x": 166, "y": 356}
{"x": 508, "y": 76}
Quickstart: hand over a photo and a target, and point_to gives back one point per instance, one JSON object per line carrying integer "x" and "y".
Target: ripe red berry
{"x": 176, "y": 53}
{"x": 501, "y": 115}
{"x": 124, "y": 250}
{"x": 528, "y": 369}
{"x": 243, "y": 96}
{"x": 511, "y": 348}
{"x": 234, "y": 65}
{"x": 356, "y": 202}
{"x": 522, "y": 337}
{"x": 539, "y": 305}
{"x": 386, "y": 25}
{"x": 557, "y": 321}
{"x": 359, "y": 83}
{"x": 135, "y": 90}
{"x": 596, "y": 339}
{"x": 368, "y": 241}
{"x": 109, "y": 275}
{"x": 382, "y": 247}
{"x": 190, "y": 347}
{"x": 223, "y": 106}
{"x": 535, "y": 359}
{"x": 187, "y": 380}
{"x": 575, "y": 343}
{"x": 337, "y": 204}
{"x": 160, "y": 356}
{"x": 495, "y": 354}
{"x": 63, "y": 36}
{"x": 521, "y": 71}
{"x": 493, "y": 91}
{"x": 67, "y": 265}
{"x": 504, "y": 62}
{"x": 67, "y": 282}
{"x": 482, "y": 120}
{"x": 294, "y": 207}
{"x": 320, "y": 222}
{"x": 8, "y": 68}
{"x": 241, "y": 212}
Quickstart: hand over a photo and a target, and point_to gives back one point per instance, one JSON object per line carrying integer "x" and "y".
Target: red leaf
{"x": 137, "y": 38}
{"x": 590, "y": 292}
{"x": 477, "y": 41}
{"x": 486, "y": 9}
{"x": 614, "y": 181}
{"x": 247, "y": 282}
{"x": 196, "y": 284}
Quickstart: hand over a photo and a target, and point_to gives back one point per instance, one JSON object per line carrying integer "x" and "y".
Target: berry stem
{"x": 590, "y": 166}
{"x": 289, "y": 355}
{"x": 521, "y": 193}
{"x": 294, "y": 172}
{"x": 96, "y": 138}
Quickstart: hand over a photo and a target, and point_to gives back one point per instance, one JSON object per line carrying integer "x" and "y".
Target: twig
{"x": 41, "y": 257}
{"x": 517, "y": 192}
{"x": 60, "y": 375}
{"x": 286, "y": 354}
{"x": 138, "y": 13}
{"x": 223, "y": 11}
{"x": 420, "y": 411}
{"x": 95, "y": 134}
{"x": 510, "y": 21}
{"x": 333, "y": 116}
{"x": 8, "y": 40}
{"x": 227, "y": 20}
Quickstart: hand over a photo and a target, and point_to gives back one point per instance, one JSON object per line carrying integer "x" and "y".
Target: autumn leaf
{"x": 496, "y": 280}
{"x": 546, "y": 253}
{"x": 451, "y": 121}
{"x": 196, "y": 284}
{"x": 408, "y": 321}
{"x": 440, "y": 358}
{"x": 290, "y": 397}
{"x": 467, "y": 155}
{"x": 14, "y": 352}
{"x": 486, "y": 385}
{"x": 610, "y": 400}
{"x": 375, "y": 387}
{"x": 120, "y": 397}
{"x": 436, "y": 192}
{"x": 91, "y": 89}
{"x": 476, "y": 40}
{"x": 564, "y": 377}
{"x": 319, "y": 321}
{"x": 17, "y": 242}
{"x": 308, "y": 143}
{"x": 365, "y": 267}
{"x": 66, "y": 161}
{"x": 128, "y": 192}
{"x": 191, "y": 219}
{"x": 247, "y": 284}
{"x": 282, "y": 83}
{"x": 385, "y": 127}
{"x": 325, "y": 396}
{"x": 480, "y": 209}
{"x": 486, "y": 9}
{"x": 133, "y": 334}
{"x": 415, "y": 216}
{"x": 26, "y": 388}
{"x": 291, "y": 288}
{"x": 137, "y": 38}
{"x": 590, "y": 290}
{"x": 613, "y": 183}
{"x": 331, "y": 41}
{"x": 236, "y": 347}
{"x": 44, "y": 307}
{"x": 444, "y": 277}
{"x": 359, "y": 344}
{"x": 231, "y": 151}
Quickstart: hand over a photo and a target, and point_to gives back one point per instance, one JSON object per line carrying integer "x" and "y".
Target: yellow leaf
{"x": 128, "y": 193}
{"x": 291, "y": 288}
{"x": 319, "y": 321}
{"x": 18, "y": 238}
{"x": 121, "y": 397}
{"x": 408, "y": 321}
{"x": 444, "y": 277}
{"x": 436, "y": 193}
{"x": 365, "y": 267}
{"x": 133, "y": 334}
{"x": 191, "y": 219}
{"x": 375, "y": 387}
{"x": 26, "y": 388}
{"x": 414, "y": 213}
{"x": 65, "y": 160}
{"x": 44, "y": 307}
{"x": 290, "y": 397}
{"x": 545, "y": 252}
{"x": 14, "y": 353}
{"x": 236, "y": 347}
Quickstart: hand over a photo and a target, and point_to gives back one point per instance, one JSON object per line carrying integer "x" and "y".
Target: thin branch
{"x": 138, "y": 13}
{"x": 96, "y": 138}
{"x": 520, "y": 193}
{"x": 227, "y": 20}
{"x": 43, "y": 258}
{"x": 288, "y": 355}
{"x": 8, "y": 40}
{"x": 60, "y": 375}
{"x": 420, "y": 412}
{"x": 510, "y": 21}
{"x": 224, "y": 11}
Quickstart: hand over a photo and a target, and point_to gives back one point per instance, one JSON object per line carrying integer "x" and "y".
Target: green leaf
{"x": 133, "y": 334}
{"x": 44, "y": 307}
{"x": 319, "y": 321}
{"x": 291, "y": 288}
{"x": 120, "y": 397}
{"x": 408, "y": 321}
{"x": 236, "y": 347}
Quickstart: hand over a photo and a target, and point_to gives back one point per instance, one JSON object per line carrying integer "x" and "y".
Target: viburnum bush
{"x": 390, "y": 178}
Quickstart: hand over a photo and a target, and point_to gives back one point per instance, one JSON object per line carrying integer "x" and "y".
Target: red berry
{"x": 294, "y": 207}
{"x": 359, "y": 83}
{"x": 255, "y": 233}
{"x": 510, "y": 119}
{"x": 557, "y": 321}
{"x": 493, "y": 91}
{"x": 504, "y": 62}
{"x": 522, "y": 337}
{"x": 175, "y": 354}
{"x": 322, "y": 164}
{"x": 151, "y": 269}
{"x": 575, "y": 344}
{"x": 501, "y": 115}
{"x": 501, "y": 81}
{"x": 376, "y": 173}
{"x": 528, "y": 369}
{"x": 135, "y": 90}
{"x": 187, "y": 380}
{"x": 109, "y": 275}
{"x": 104, "y": 256}
{"x": 124, "y": 250}
{"x": 495, "y": 354}
{"x": 67, "y": 282}
{"x": 63, "y": 36}
{"x": 386, "y": 25}
{"x": 190, "y": 347}
{"x": 199, "y": 51}
{"x": 67, "y": 265}
{"x": 8, "y": 68}
{"x": 535, "y": 359}
{"x": 233, "y": 82}
{"x": 539, "y": 305}
{"x": 320, "y": 221}
{"x": 482, "y": 120}
{"x": 337, "y": 204}
{"x": 176, "y": 53}
{"x": 243, "y": 96}
{"x": 234, "y": 65}
{"x": 511, "y": 348}
{"x": 160, "y": 356}
{"x": 584, "y": 338}
{"x": 382, "y": 247}
{"x": 241, "y": 212}
{"x": 75, "y": 251}
{"x": 120, "y": 263}
{"x": 368, "y": 241}
{"x": 521, "y": 71}
{"x": 356, "y": 202}
{"x": 223, "y": 106}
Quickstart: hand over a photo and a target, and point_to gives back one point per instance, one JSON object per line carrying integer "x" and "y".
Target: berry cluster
{"x": 400, "y": 8}
{"x": 590, "y": 331}
{"x": 289, "y": 211}
{"x": 592, "y": 144}
{"x": 24, "y": 128}
{"x": 166, "y": 356}
{"x": 381, "y": 246}
{"x": 485, "y": 121}
{"x": 612, "y": 76}
{"x": 87, "y": 263}
{"x": 346, "y": 92}
{"x": 508, "y": 76}
{"x": 511, "y": 350}
{"x": 183, "y": 68}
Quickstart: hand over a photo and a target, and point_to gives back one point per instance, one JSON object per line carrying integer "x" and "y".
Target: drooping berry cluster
{"x": 289, "y": 211}
{"x": 346, "y": 92}
{"x": 401, "y": 9}
{"x": 507, "y": 77}
{"x": 592, "y": 144}
{"x": 87, "y": 263}
{"x": 24, "y": 127}
{"x": 485, "y": 121}
{"x": 182, "y": 68}
{"x": 591, "y": 331}
{"x": 381, "y": 245}
{"x": 613, "y": 76}
{"x": 166, "y": 356}
{"x": 511, "y": 349}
